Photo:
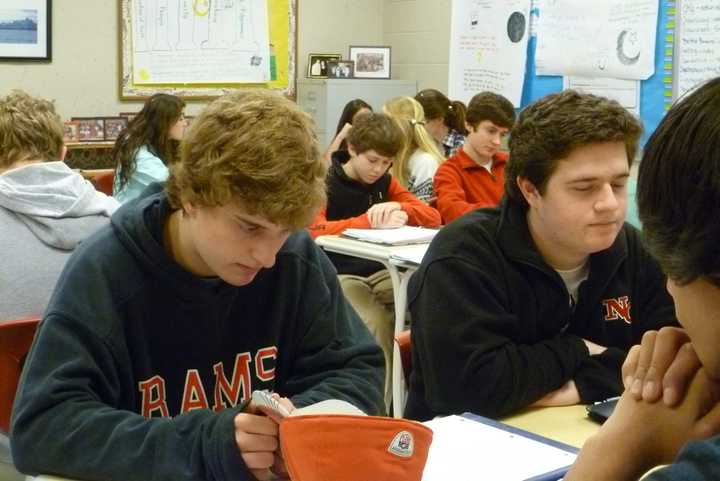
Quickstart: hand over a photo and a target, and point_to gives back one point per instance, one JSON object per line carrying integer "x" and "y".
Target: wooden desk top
{"x": 567, "y": 424}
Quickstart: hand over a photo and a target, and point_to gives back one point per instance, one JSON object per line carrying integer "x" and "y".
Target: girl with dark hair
{"x": 148, "y": 145}
{"x": 351, "y": 110}
{"x": 445, "y": 119}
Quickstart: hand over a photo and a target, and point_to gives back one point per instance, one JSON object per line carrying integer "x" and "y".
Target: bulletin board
{"x": 656, "y": 92}
{"x": 282, "y": 31}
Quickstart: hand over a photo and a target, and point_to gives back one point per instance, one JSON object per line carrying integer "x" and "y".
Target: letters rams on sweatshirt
{"x": 139, "y": 367}
{"x": 493, "y": 330}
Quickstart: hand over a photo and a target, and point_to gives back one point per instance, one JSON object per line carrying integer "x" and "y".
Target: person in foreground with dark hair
{"x": 538, "y": 301}
{"x": 474, "y": 176}
{"x": 148, "y": 145}
{"x": 678, "y": 198}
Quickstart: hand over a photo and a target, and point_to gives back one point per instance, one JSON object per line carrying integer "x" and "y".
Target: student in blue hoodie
{"x": 197, "y": 294}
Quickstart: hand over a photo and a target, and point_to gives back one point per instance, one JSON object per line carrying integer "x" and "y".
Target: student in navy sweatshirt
{"x": 163, "y": 323}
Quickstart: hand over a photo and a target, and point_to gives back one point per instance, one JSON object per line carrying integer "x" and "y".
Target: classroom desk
{"x": 567, "y": 424}
{"x": 400, "y": 273}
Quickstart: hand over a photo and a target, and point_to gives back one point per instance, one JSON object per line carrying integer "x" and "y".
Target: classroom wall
{"x": 419, "y": 33}
{"x": 83, "y": 75}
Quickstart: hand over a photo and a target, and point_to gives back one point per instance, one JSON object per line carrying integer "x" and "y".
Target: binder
{"x": 472, "y": 447}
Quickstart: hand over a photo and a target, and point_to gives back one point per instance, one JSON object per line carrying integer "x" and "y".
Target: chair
{"x": 15, "y": 340}
{"x": 103, "y": 182}
{"x": 401, "y": 374}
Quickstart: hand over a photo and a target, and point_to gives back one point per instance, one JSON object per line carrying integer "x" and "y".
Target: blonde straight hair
{"x": 410, "y": 116}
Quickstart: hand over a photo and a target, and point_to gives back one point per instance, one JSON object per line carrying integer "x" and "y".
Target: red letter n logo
{"x": 618, "y": 308}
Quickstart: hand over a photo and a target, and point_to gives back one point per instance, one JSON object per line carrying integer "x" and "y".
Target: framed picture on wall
{"x": 371, "y": 62}
{"x": 25, "y": 30}
{"x": 341, "y": 69}
{"x": 70, "y": 131}
{"x": 90, "y": 129}
{"x": 114, "y": 126}
{"x": 317, "y": 64}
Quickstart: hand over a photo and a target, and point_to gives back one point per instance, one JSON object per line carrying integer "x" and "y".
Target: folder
{"x": 472, "y": 447}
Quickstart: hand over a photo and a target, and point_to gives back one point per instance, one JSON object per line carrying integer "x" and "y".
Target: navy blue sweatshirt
{"x": 493, "y": 330}
{"x": 139, "y": 367}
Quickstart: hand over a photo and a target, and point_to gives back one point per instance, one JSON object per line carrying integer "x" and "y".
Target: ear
{"x": 351, "y": 149}
{"x": 528, "y": 190}
{"x": 469, "y": 127}
{"x": 188, "y": 209}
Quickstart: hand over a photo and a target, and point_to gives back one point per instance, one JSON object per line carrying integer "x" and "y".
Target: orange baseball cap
{"x": 332, "y": 447}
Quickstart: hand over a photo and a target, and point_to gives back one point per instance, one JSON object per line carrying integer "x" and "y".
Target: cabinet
{"x": 324, "y": 99}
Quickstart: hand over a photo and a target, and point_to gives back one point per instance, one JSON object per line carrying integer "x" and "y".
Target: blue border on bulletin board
{"x": 655, "y": 92}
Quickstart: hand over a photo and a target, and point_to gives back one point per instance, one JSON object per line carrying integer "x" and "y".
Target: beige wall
{"x": 419, "y": 33}
{"x": 83, "y": 75}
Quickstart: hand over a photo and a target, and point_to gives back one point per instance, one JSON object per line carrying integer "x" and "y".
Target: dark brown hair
{"x": 549, "y": 129}
{"x": 378, "y": 132}
{"x": 678, "y": 189}
{"x": 490, "y": 106}
{"x": 437, "y": 106}
{"x": 148, "y": 128}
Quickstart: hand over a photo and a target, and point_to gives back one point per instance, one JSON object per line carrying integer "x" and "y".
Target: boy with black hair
{"x": 537, "y": 302}
{"x": 165, "y": 322}
{"x": 474, "y": 176}
{"x": 678, "y": 189}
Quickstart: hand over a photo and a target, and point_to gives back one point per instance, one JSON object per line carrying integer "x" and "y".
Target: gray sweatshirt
{"x": 46, "y": 210}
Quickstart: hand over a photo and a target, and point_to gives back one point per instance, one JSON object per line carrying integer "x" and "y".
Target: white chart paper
{"x": 488, "y": 48}
{"x": 611, "y": 38}
{"x": 198, "y": 41}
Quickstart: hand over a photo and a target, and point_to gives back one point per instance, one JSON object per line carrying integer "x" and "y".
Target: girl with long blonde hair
{"x": 415, "y": 165}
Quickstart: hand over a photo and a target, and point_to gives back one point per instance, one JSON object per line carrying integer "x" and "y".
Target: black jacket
{"x": 139, "y": 367}
{"x": 493, "y": 330}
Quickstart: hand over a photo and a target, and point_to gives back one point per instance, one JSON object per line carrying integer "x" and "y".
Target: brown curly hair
{"x": 256, "y": 148}
{"x": 549, "y": 129}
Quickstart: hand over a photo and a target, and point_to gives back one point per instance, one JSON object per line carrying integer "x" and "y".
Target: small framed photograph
{"x": 70, "y": 131}
{"x": 317, "y": 63}
{"x": 25, "y": 30}
{"x": 371, "y": 62}
{"x": 114, "y": 126}
{"x": 341, "y": 69}
{"x": 90, "y": 129}
{"x": 128, "y": 115}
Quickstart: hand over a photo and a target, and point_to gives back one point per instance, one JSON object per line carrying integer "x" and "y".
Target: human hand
{"x": 397, "y": 218}
{"x": 662, "y": 365}
{"x": 632, "y": 440}
{"x": 593, "y": 348}
{"x": 256, "y": 436}
{"x": 345, "y": 130}
{"x": 566, "y": 395}
{"x": 379, "y": 214}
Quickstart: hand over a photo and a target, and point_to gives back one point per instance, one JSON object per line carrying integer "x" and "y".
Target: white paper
{"x": 411, "y": 254}
{"x": 462, "y": 446}
{"x": 626, "y": 92}
{"x": 698, "y": 43}
{"x": 488, "y": 48}
{"x": 609, "y": 38}
{"x": 399, "y": 236}
{"x": 198, "y": 41}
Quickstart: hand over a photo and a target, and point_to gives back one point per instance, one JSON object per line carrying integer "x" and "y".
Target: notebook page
{"x": 401, "y": 235}
{"x": 470, "y": 450}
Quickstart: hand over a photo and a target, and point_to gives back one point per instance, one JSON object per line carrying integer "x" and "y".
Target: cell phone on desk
{"x": 601, "y": 410}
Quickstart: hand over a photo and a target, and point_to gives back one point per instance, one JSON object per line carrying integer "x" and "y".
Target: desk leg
{"x": 400, "y": 280}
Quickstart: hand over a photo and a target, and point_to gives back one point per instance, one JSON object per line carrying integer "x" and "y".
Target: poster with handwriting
{"x": 612, "y": 38}
{"x": 200, "y": 41}
{"x": 488, "y": 48}
{"x": 698, "y": 43}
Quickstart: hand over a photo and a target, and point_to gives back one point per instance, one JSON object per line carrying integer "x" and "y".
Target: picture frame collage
{"x": 100, "y": 129}
{"x": 366, "y": 62}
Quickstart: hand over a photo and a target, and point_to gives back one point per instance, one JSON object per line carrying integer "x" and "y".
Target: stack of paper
{"x": 473, "y": 447}
{"x": 400, "y": 236}
{"x": 411, "y": 254}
